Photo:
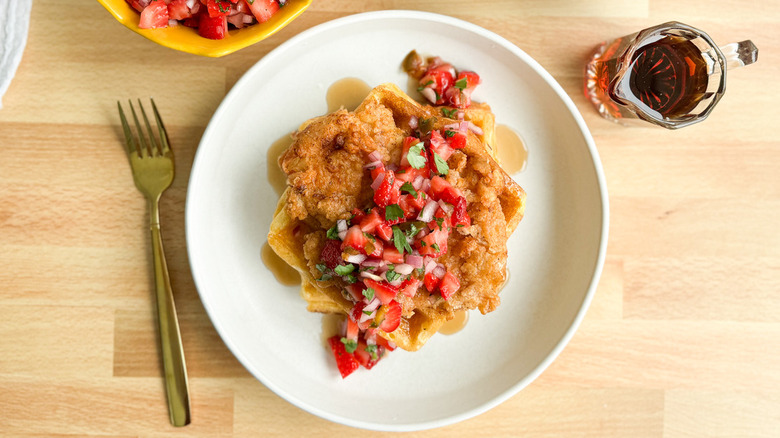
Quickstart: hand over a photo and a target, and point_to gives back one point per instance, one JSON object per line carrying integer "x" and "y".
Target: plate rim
{"x": 595, "y": 162}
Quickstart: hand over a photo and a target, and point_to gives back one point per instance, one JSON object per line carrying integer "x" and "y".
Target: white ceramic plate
{"x": 555, "y": 256}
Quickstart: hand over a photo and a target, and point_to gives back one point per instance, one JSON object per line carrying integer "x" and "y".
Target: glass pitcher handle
{"x": 740, "y": 54}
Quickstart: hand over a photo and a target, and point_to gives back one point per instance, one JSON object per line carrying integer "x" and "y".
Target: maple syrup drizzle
{"x": 347, "y": 93}
{"x": 456, "y": 324}
{"x": 276, "y": 176}
{"x": 284, "y": 273}
{"x": 512, "y": 152}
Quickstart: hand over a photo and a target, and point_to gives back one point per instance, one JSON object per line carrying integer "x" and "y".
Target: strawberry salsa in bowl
{"x": 210, "y": 28}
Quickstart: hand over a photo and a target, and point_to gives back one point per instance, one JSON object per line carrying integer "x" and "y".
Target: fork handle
{"x": 170, "y": 336}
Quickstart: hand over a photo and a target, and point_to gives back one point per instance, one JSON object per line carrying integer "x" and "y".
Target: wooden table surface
{"x": 682, "y": 338}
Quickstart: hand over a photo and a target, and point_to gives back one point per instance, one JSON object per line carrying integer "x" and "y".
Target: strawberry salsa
{"x": 387, "y": 253}
{"x": 211, "y": 18}
{"x": 440, "y": 83}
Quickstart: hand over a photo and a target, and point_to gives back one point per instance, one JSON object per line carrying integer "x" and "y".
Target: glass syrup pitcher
{"x": 671, "y": 75}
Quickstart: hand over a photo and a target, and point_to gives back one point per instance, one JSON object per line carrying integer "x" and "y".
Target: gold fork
{"x": 152, "y": 165}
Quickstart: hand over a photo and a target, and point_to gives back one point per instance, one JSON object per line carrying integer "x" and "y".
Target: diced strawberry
{"x": 441, "y": 221}
{"x": 352, "y": 330}
{"x": 431, "y": 282}
{"x": 214, "y": 28}
{"x": 440, "y": 78}
{"x": 441, "y": 189}
{"x": 460, "y": 216}
{"x": 409, "y": 206}
{"x": 346, "y": 362}
{"x": 472, "y": 79}
{"x": 458, "y": 141}
{"x": 391, "y": 255}
{"x": 355, "y": 239}
{"x": 331, "y": 253}
{"x": 369, "y": 223}
{"x": 154, "y": 16}
{"x": 384, "y": 231}
{"x": 409, "y": 286}
{"x": 387, "y": 191}
{"x": 440, "y": 146}
{"x": 434, "y": 244}
{"x": 376, "y": 171}
{"x": 355, "y": 291}
{"x": 409, "y": 174}
{"x": 178, "y": 10}
{"x": 384, "y": 343}
{"x": 364, "y": 357}
{"x": 263, "y": 9}
{"x": 218, "y": 8}
{"x": 357, "y": 216}
{"x": 379, "y": 249}
{"x": 382, "y": 290}
{"x": 392, "y": 317}
{"x": 408, "y": 143}
{"x": 449, "y": 285}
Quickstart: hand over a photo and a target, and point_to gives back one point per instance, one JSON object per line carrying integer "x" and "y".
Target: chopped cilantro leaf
{"x": 368, "y": 312}
{"x": 333, "y": 233}
{"x": 350, "y": 279}
{"x": 344, "y": 269}
{"x": 449, "y": 112}
{"x": 415, "y": 156}
{"x": 439, "y": 221}
{"x": 461, "y": 84}
{"x": 371, "y": 349}
{"x": 399, "y": 240}
{"x": 349, "y": 344}
{"x": 413, "y": 230}
{"x": 435, "y": 247}
{"x": 424, "y": 86}
{"x": 392, "y": 275}
{"x": 325, "y": 277}
{"x": 408, "y": 188}
{"x": 393, "y": 212}
{"x": 441, "y": 165}
{"x": 368, "y": 293}
{"x": 321, "y": 267}
{"x": 449, "y": 133}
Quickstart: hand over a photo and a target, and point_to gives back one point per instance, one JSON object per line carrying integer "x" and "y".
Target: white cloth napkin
{"x": 14, "y": 21}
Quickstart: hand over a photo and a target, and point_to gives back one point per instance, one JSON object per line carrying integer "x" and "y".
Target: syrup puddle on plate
{"x": 284, "y": 273}
{"x": 347, "y": 93}
{"x": 332, "y": 324}
{"x": 456, "y": 324}
{"x": 512, "y": 151}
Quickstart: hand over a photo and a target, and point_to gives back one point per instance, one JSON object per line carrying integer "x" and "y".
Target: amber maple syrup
{"x": 667, "y": 77}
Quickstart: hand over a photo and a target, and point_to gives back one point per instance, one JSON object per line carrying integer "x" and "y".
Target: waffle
{"x": 326, "y": 181}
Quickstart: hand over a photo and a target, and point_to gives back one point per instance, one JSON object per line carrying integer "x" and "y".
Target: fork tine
{"x": 144, "y": 149}
{"x": 161, "y": 128}
{"x": 129, "y": 138}
{"x": 154, "y": 144}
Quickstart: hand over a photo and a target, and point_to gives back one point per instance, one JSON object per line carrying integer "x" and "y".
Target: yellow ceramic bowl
{"x": 187, "y": 39}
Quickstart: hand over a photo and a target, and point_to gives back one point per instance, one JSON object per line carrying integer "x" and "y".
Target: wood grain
{"x": 682, "y": 338}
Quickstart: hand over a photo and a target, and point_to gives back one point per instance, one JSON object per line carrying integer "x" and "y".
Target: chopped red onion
{"x": 446, "y": 207}
{"x": 366, "y": 274}
{"x": 378, "y": 181}
{"x": 375, "y": 156}
{"x": 397, "y": 281}
{"x": 365, "y": 318}
{"x": 475, "y": 129}
{"x": 191, "y": 3}
{"x": 426, "y": 215}
{"x": 236, "y": 20}
{"x": 248, "y": 18}
{"x": 463, "y": 128}
{"x": 430, "y": 266}
{"x": 426, "y": 185}
{"x": 439, "y": 271}
{"x": 429, "y": 94}
{"x": 417, "y": 183}
{"x": 461, "y": 115}
{"x": 172, "y": 23}
{"x": 382, "y": 267}
{"x": 341, "y": 227}
{"x": 372, "y": 164}
{"x": 392, "y": 167}
{"x": 195, "y": 8}
{"x": 413, "y": 122}
{"x": 372, "y": 263}
{"x": 414, "y": 261}
{"x": 404, "y": 268}
{"x": 357, "y": 258}
{"x": 373, "y": 304}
